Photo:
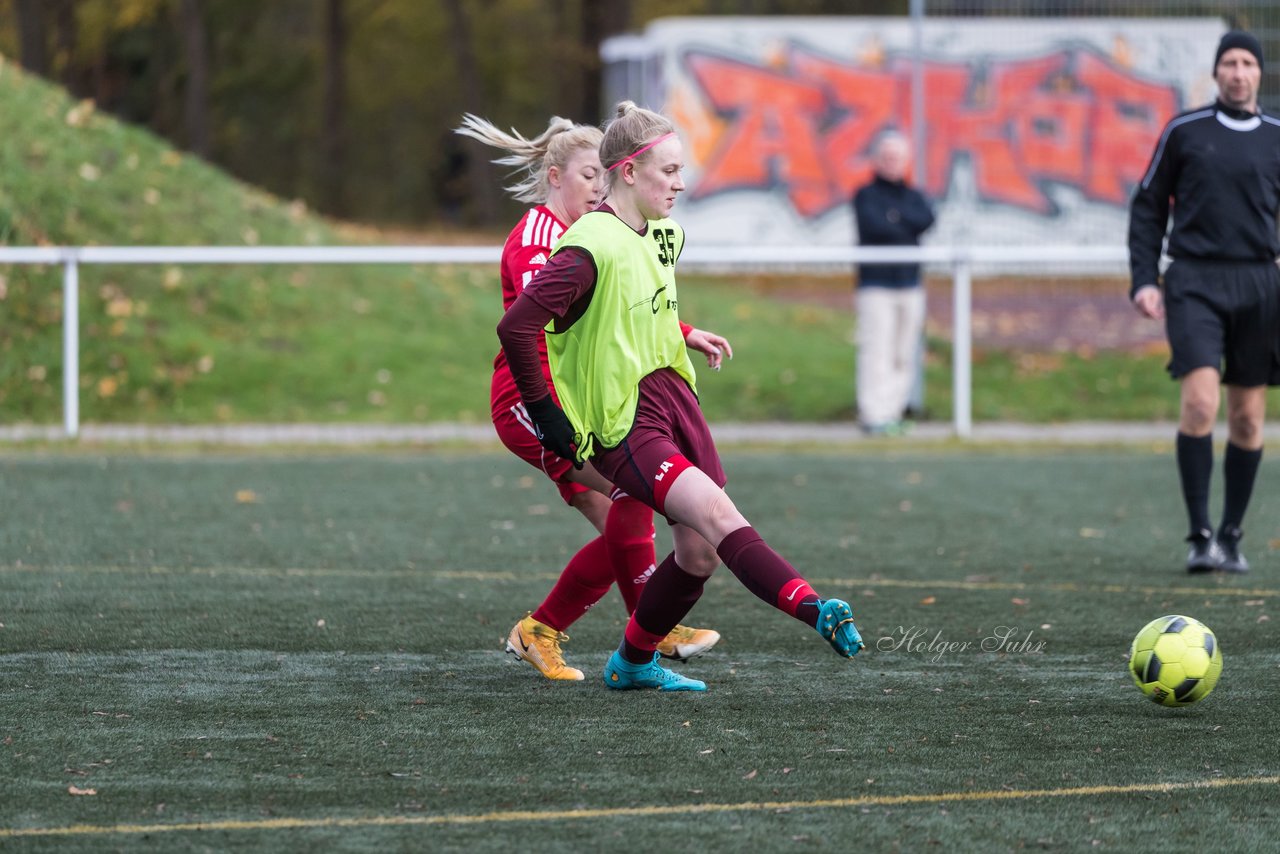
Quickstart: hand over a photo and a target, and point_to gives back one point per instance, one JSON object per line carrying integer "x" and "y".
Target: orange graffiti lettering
{"x": 804, "y": 125}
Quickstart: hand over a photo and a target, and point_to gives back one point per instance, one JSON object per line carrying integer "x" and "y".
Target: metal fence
{"x": 958, "y": 262}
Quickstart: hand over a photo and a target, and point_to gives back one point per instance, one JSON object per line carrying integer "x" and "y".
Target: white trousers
{"x": 890, "y": 322}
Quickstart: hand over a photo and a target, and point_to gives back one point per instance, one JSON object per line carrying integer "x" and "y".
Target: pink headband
{"x": 663, "y": 138}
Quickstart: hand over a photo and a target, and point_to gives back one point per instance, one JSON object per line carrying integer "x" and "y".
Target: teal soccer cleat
{"x": 622, "y": 675}
{"x": 835, "y": 624}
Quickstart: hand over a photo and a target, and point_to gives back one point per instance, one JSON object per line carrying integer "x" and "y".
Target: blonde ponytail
{"x": 534, "y": 157}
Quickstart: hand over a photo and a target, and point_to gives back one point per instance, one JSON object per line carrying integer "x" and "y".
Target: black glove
{"x": 553, "y": 429}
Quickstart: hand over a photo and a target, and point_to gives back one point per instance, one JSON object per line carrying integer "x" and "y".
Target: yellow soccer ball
{"x": 1175, "y": 660}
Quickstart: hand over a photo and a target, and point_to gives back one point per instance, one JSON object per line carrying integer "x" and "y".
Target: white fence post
{"x": 961, "y": 348}
{"x": 71, "y": 346}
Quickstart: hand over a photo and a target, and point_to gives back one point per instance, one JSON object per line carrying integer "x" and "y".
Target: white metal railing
{"x": 959, "y": 260}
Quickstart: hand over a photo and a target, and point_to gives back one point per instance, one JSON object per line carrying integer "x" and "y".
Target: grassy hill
{"x": 195, "y": 344}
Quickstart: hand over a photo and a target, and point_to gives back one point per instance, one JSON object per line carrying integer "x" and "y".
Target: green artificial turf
{"x": 305, "y": 652}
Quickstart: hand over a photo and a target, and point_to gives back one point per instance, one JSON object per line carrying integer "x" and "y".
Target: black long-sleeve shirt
{"x": 890, "y": 213}
{"x": 1220, "y": 168}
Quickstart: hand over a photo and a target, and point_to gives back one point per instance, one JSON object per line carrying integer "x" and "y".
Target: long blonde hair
{"x": 535, "y": 157}
{"x": 631, "y": 129}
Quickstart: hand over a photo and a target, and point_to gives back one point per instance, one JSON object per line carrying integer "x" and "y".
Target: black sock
{"x": 1195, "y": 466}
{"x": 1239, "y": 469}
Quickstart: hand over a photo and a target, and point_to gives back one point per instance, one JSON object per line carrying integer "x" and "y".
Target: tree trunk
{"x": 195, "y": 109}
{"x": 599, "y": 21}
{"x": 64, "y": 39}
{"x": 334, "y": 106}
{"x": 478, "y": 172}
{"x": 32, "y": 43}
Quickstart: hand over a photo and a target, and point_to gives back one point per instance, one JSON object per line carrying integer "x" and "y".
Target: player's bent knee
{"x": 721, "y": 516}
{"x": 1246, "y": 430}
{"x": 701, "y": 563}
{"x": 695, "y": 555}
{"x": 1198, "y": 415}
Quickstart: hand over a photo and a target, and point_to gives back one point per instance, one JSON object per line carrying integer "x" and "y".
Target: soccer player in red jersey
{"x": 563, "y": 178}
{"x": 626, "y": 398}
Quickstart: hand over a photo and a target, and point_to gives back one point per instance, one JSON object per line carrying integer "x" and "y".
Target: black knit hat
{"x": 1241, "y": 39}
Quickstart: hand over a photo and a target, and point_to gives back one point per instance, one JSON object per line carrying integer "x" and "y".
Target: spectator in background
{"x": 890, "y": 299}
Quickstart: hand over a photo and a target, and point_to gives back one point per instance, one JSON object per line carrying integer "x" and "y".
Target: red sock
{"x": 583, "y": 583}
{"x": 628, "y": 534}
{"x": 766, "y": 574}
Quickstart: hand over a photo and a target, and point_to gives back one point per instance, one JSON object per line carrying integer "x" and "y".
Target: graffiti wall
{"x": 1035, "y": 130}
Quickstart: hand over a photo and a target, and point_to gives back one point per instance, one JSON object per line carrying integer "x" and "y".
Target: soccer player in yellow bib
{"x": 608, "y": 303}
{"x": 563, "y": 178}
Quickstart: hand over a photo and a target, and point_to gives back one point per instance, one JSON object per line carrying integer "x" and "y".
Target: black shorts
{"x": 1225, "y": 316}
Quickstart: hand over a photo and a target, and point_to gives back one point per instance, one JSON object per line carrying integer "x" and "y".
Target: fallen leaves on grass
{"x": 79, "y": 115}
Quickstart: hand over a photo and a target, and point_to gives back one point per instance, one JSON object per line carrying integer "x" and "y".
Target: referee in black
{"x": 1218, "y": 168}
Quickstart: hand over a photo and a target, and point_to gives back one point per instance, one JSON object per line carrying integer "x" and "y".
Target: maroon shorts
{"x": 669, "y": 426}
{"x": 515, "y": 429}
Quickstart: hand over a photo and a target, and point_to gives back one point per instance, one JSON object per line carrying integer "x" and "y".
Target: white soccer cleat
{"x": 684, "y": 643}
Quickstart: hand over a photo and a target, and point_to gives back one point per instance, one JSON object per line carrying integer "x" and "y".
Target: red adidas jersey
{"x": 525, "y": 253}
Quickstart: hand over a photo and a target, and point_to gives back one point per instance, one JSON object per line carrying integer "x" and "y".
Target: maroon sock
{"x": 766, "y": 574}
{"x": 628, "y": 533}
{"x": 583, "y": 583}
{"x": 669, "y": 595}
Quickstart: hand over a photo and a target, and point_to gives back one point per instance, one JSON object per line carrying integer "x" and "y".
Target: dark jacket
{"x": 1221, "y": 168}
{"x": 890, "y": 213}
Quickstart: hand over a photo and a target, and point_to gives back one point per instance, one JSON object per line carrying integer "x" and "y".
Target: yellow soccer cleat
{"x": 539, "y": 644}
{"x": 685, "y": 643}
